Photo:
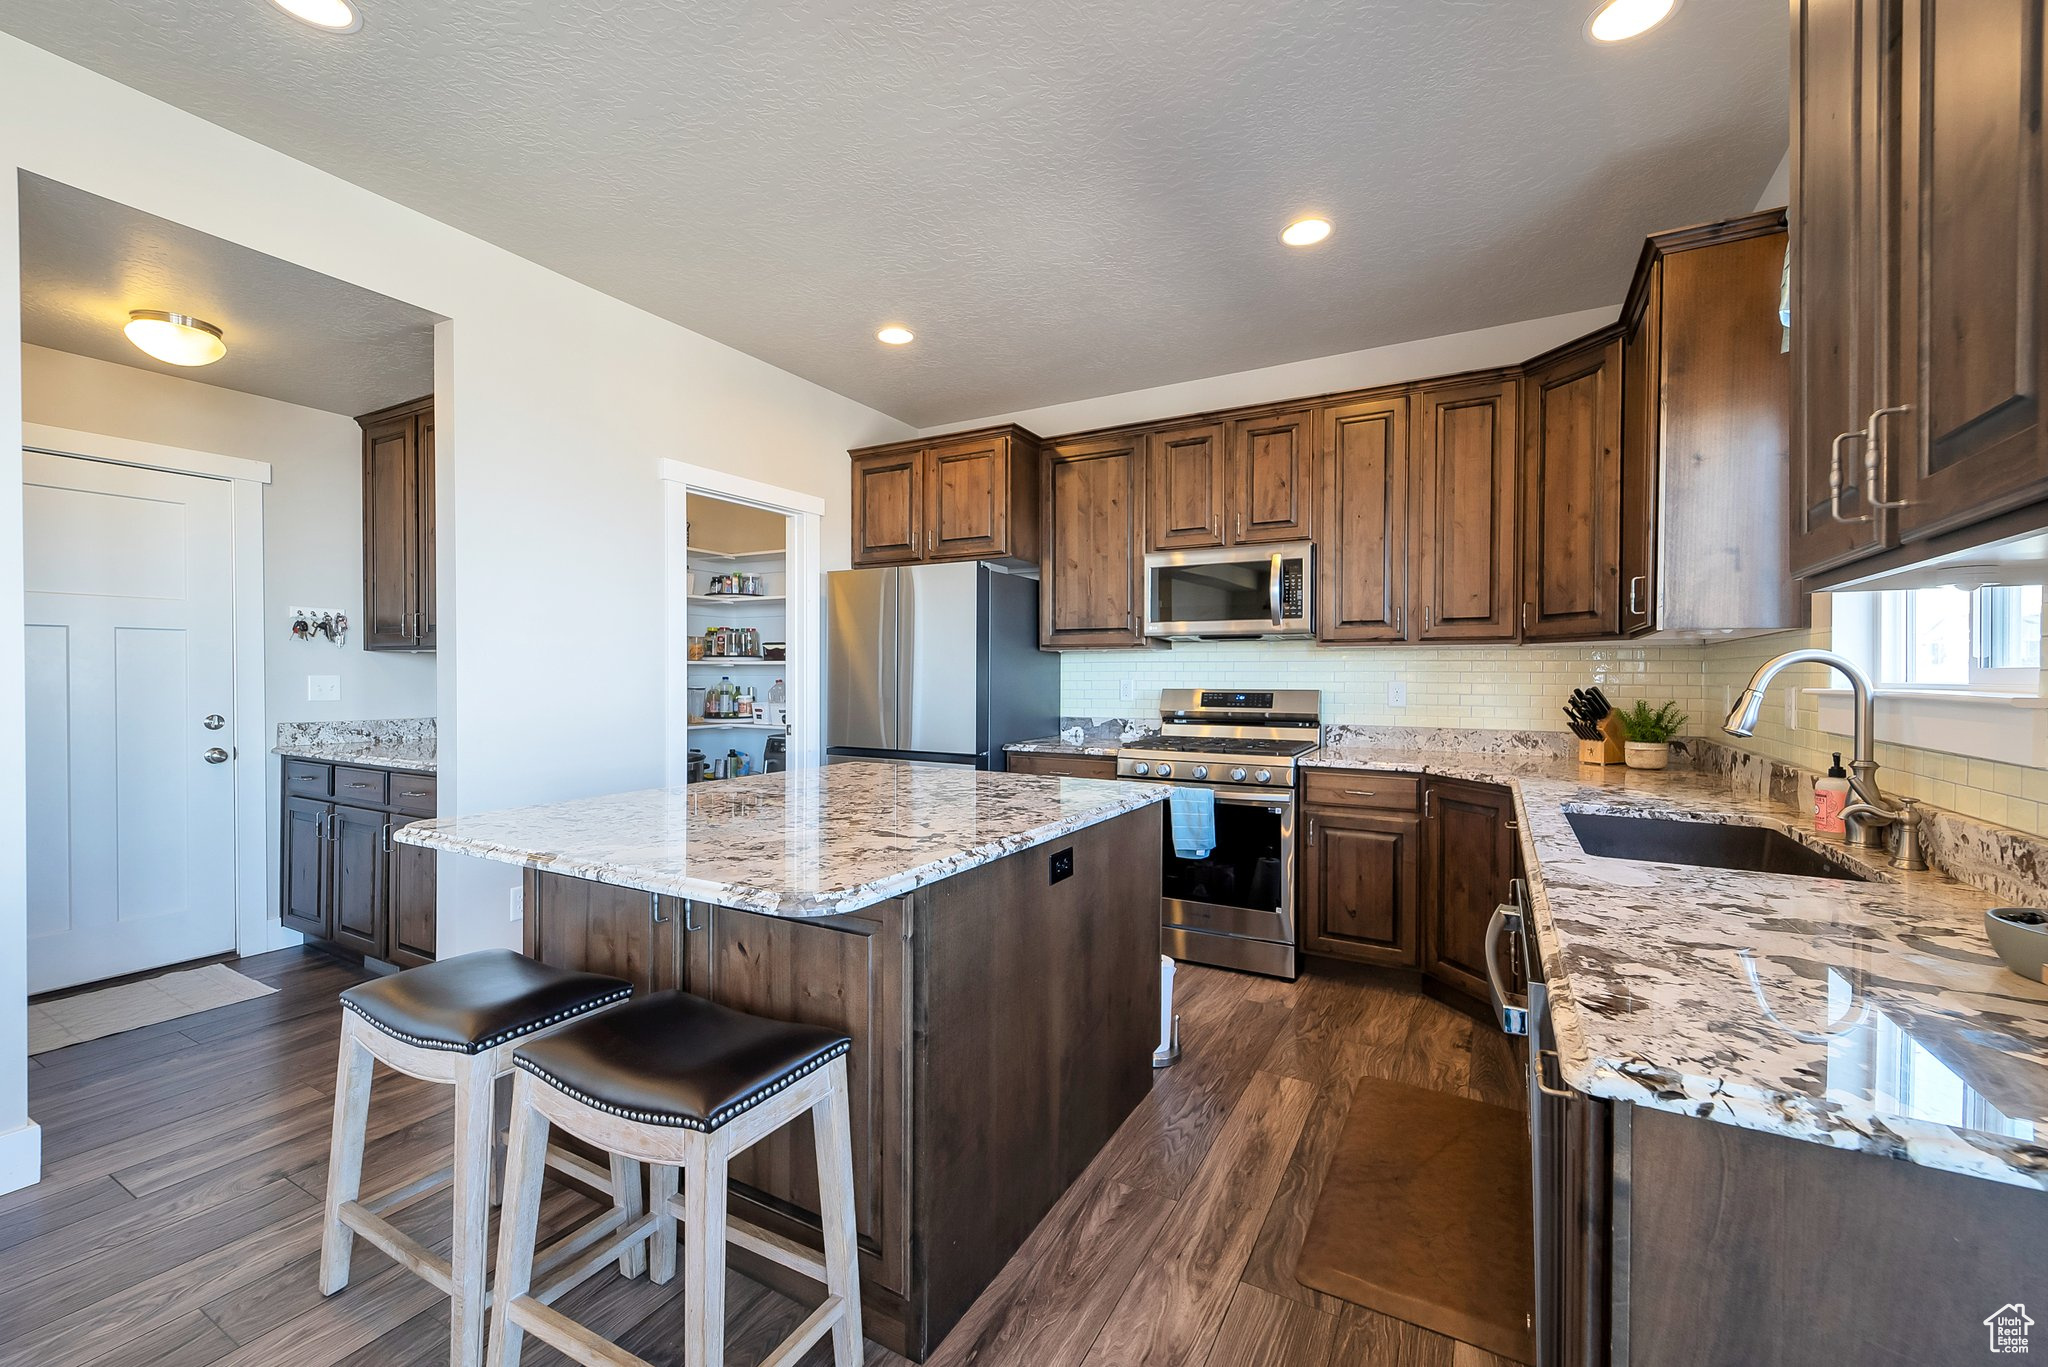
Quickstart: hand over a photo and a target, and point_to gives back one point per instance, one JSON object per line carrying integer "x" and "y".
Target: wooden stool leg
{"x": 831, "y": 1125}
{"x": 661, "y": 1252}
{"x": 704, "y": 1256}
{"x": 475, "y": 1091}
{"x": 345, "y": 1154}
{"x": 629, "y": 1195}
{"x": 526, "y": 1166}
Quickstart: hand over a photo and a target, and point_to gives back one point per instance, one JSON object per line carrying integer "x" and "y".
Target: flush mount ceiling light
{"x": 1616, "y": 20}
{"x": 895, "y": 335}
{"x": 329, "y": 16}
{"x": 175, "y": 338}
{"x": 1305, "y": 232}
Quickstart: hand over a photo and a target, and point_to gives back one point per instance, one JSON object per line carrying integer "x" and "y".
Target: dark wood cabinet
{"x": 1465, "y": 456}
{"x": 1188, "y": 470}
{"x": 1360, "y": 888}
{"x": 972, "y": 496}
{"x": 1273, "y": 488}
{"x": 1919, "y": 261}
{"x": 1571, "y": 492}
{"x": 341, "y": 878}
{"x": 1471, "y": 865}
{"x": 1090, "y": 581}
{"x": 398, "y": 527}
{"x": 1362, "y": 565}
{"x": 599, "y": 928}
{"x": 1062, "y": 766}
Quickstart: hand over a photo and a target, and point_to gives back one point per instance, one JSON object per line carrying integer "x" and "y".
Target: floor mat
{"x": 1425, "y": 1216}
{"x": 90, "y": 1015}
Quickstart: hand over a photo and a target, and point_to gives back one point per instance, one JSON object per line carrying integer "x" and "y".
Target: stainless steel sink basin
{"x": 1704, "y": 844}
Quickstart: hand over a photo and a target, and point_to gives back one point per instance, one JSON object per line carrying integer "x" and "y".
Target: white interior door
{"x": 130, "y": 651}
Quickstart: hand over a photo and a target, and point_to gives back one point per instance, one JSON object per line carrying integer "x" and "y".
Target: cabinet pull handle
{"x": 354, "y": 784}
{"x": 1311, "y": 830}
{"x": 1525, "y": 614}
{"x": 689, "y": 918}
{"x": 1428, "y": 803}
{"x": 1635, "y": 591}
{"x": 1538, "y": 1073}
{"x": 1397, "y": 622}
{"x": 386, "y": 841}
{"x": 1876, "y": 470}
{"x": 410, "y": 792}
{"x": 1835, "y": 479}
{"x": 1362, "y": 792}
{"x": 654, "y": 909}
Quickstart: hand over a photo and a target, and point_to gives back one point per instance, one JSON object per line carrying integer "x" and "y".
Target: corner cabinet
{"x": 970, "y": 496}
{"x": 343, "y": 880}
{"x": 1090, "y": 579}
{"x": 1470, "y": 829}
{"x": 398, "y": 527}
{"x": 1919, "y": 264}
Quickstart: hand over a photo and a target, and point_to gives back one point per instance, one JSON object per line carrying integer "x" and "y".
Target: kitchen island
{"x": 990, "y": 941}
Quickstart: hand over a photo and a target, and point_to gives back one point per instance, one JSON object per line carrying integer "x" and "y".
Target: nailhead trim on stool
{"x": 479, "y": 1046}
{"x": 718, "y": 1117}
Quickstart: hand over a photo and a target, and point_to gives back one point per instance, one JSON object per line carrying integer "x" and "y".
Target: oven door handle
{"x": 1254, "y": 797}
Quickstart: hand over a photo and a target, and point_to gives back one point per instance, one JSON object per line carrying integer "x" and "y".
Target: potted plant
{"x": 1649, "y": 731}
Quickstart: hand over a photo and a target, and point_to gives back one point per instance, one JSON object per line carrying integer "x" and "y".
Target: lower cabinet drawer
{"x": 363, "y": 787}
{"x": 1362, "y": 788}
{"x": 303, "y": 778}
{"x": 1062, "y": 766}
{"x": 415, "y": 794}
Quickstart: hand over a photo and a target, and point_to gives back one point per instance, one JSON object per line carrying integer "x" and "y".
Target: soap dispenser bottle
{"x": 1830, "y": 796}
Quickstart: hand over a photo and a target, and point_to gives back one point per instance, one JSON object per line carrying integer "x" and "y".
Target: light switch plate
{"x": 1397, "y": 693}
{"x": 323, "y": 688}
{"x": 518, "y": 902}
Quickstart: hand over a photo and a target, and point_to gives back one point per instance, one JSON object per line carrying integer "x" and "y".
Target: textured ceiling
{"x": 1064, "y": 198}
{"x": 292, "y": 334}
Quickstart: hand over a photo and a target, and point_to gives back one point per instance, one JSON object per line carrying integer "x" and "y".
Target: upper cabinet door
{"x": 1190, "y": 486}
{"x": 888, "y": 503}
{"x": 391, "y": 568}
{"x": 1972, "y": 348}
{"x": 1641, "y": 388}
{"x": 1362, "y": 577}
{"x": 1838, "y": 106}
{"x": 1094, "y": 529}
{"x": 967, "y": 505}
{"x": 1465, "y": 439}
{"x": 1571, "y": 494}
{"x": 1273, "y": 477}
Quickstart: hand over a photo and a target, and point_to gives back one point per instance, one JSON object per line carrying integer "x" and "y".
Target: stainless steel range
{"x": 1233, "y": 907}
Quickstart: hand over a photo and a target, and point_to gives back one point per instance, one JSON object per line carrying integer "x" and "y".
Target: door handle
{"x": 1875, "y": 468}
{"x": 215, "y": 755}
{"x": 1835, "y": 478}
{"x": 1273, "y": 589}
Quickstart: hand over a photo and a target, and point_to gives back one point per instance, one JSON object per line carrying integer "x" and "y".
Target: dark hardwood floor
{"x": 177, "y": 1224}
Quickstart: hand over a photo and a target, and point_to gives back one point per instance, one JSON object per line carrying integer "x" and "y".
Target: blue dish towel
{"x": 1193, "y": 811}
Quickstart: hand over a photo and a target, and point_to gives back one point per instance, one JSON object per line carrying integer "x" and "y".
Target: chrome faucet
{"x": 1871, "y": 813}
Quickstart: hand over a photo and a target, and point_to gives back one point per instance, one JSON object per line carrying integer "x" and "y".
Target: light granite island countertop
{"x": 989, "y": 942}
{"x": 818, "y": 842}
{"x": 1869, "y": 1016}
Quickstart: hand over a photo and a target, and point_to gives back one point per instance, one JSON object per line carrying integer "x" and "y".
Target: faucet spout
{"x": 1742, "y": 720}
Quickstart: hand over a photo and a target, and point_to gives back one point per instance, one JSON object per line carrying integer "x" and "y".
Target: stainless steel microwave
{"x": 1231, "y": 591}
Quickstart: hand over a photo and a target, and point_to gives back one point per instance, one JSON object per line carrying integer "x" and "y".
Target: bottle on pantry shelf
{"x": 776, "y": 692}
{"x": 745, "y": 709}
{"x": 1830, "y": 796}
{"x": 725, "y": 707}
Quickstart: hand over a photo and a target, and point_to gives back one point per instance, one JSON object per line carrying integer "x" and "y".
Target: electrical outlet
{"x": 1397, "y": 693}
{"x": 323, "y": 688}
{"x": 1062, "y": 866}
{"x": 1128, "y": 689}
{"x": 518, "y": 903}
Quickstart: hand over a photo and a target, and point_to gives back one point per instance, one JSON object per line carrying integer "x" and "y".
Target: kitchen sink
{"x": 1705, "y": 844}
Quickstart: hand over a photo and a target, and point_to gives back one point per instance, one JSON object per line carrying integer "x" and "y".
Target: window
{"x": 1985, "y": 639}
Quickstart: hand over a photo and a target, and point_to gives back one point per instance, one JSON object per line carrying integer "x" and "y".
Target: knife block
{"x": 1611, "y": 748}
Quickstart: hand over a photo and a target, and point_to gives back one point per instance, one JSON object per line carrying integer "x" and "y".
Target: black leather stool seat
{"x": 675, "y": 1059}
{"x": 478, "y": 1001}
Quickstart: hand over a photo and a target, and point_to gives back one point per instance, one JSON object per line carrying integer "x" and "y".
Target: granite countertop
{"x": 1878, "y": 1018}
{"x": 411, "y": 757}
{"x": 818, "y": 842}
{"x": 1053, "y": 745}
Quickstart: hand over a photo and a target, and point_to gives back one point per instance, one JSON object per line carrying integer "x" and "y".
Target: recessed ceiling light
{"x": 1616, "y": 20}
{"x": 895, "y": 335}
{"x": 329, "y": 16}
{"x": 1305, "y": 232}
{"x": 175, "y": 338}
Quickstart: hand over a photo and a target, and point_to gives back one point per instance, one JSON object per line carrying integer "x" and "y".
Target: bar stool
{"x": 684, "y": 1084}
{"x": 457, "y": 1021}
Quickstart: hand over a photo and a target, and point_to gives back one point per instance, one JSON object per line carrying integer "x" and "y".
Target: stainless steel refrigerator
{"x": 938, "y": 663}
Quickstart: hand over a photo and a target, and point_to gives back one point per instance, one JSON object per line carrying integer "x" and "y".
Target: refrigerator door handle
{"x": 905, "y": 690}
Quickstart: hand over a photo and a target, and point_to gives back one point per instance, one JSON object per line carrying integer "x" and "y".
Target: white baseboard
{"x": 21, "y": 1157}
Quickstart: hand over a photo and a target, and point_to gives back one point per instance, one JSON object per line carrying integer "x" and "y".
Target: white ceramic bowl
{"x": 2020, "y": 935}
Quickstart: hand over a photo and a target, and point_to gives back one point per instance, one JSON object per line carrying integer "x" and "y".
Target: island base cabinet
{"x": 1753, "y": 1248}
{"x": 598, "y": 928}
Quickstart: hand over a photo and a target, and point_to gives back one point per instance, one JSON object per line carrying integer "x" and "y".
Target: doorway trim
{"x": 256, "y": 930}
{"x": 805, "y": 593}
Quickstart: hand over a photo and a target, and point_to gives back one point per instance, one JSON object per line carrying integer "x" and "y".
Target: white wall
{"x": 1481, "y": 349}
{"x": 556, "y": 403}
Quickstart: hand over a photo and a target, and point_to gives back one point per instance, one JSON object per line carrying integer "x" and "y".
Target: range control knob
{"x": 1164, "y": 771}
{"x": 1140, "y": 768}
{"x": 1237, "y": 775}
{"x": 1201, "y": 771}
{"x": 1263, "y": 776}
